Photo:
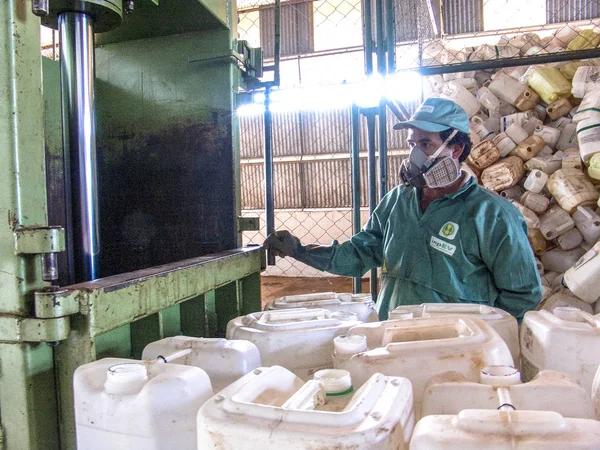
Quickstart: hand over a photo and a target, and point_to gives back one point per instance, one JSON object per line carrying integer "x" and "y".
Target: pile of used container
{"x": 536, "y": 136}
{"x": 318, "y": 371}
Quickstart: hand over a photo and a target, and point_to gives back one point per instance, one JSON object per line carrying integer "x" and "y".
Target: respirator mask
{"x": 420, "y": 170}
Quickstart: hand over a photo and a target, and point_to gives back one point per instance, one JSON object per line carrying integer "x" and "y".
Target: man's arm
{"x": 512, "y": 263}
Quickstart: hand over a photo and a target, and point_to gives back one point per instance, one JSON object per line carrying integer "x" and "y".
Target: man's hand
{"x": 283, "y": 243}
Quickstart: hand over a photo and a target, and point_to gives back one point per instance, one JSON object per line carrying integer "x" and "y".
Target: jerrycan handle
{"x": 307, "y": 398}
{"x": 576, "y": 315}
{"x": 456, "y": 309}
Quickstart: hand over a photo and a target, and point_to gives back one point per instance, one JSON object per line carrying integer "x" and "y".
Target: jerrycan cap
{"x": 499, "y": 376}
{"x": 350, "y": 344}
{"x": 335, "y": 381}
{"x": 125, "y": 378}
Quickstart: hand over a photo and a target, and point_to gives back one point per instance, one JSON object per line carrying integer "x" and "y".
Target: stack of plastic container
{"x": 536, "y": 138}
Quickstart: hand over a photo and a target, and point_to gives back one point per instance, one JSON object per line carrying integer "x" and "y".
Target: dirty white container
{"x": 478, "y": 125}
{"x": 501, "y": 321}
{"x": 568, "y": 137}
{"x": 572, "y": 160}
{"x": 562, "y": 298}
{"x": 565, "y": 340}
{"x": 123, "y": 403}
{"x": 537, "y": 242}
{"x": 360, "y": 304}
{"x": 555, "y": 222}
{"x": 559, "y": 108}
{"x": 473, "y": 429}
{"x": 531, "y": 218}
{"x": 483, "y": 155}
{"x": 450, "y": 393}
{"x": 588, "y": 136}
{"x": 546, "y": 152}
{"x": 588, "y": 223}
{"x": 583, "y": 278}
{"x": 504, "y": 144}
{"x": 535, "y": 181}
{"x": 548, "y": 134}
{"x": 460, "y": 95}
{"x": 503, "y": 174}
{"x": 558, "y": 260}
{"x": 507, "y": 88}
{"x": 271, "y": 408}
{"x": 571, "y": 188}
{"x": 589, "y": 107}
{"x": 513, "y": 193}
{"x": 538, "y": 203}
{"x": 223, "y": 360}
{"x": 423, "y": 347}
{"x": 570, "y": 239}
{"x": 516, "y": 133}
{"x": 529, "y": 148}
{"x": 298, "y": 339}
{"x": 488, "y": 99}
{"x": 521, "y": 119}
{"x": 586, "y": 79}
{"x": 527, "y": 100}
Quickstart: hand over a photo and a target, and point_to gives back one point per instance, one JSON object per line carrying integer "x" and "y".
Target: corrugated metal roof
{"x": 571, "y": 10}
{"x": 297, "y": 33}
{"x": 462, "y": 16}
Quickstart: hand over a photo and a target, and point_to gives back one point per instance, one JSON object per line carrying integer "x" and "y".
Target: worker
{"x": 439, "y": 236}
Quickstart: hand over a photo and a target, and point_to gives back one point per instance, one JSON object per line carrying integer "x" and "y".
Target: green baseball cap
{"x": 437, "y": 114}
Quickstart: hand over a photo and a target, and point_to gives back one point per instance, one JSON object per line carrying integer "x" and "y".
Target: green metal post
{"x": 27, "y": 403}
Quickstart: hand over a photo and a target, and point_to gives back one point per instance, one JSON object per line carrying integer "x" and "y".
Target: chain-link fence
{"x": 322, "y": 43}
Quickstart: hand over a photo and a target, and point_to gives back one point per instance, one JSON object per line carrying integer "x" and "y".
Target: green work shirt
{"x": 469, "y": 246}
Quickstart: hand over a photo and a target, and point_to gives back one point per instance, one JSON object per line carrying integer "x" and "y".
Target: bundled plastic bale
{"x": 585, "y": 81}
{"x": 503, "y": 174}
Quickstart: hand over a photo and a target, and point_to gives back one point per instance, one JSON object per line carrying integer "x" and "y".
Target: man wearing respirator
{"x": 439, "y": 236}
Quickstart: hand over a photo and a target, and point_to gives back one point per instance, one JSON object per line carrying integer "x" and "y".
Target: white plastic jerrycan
{"x": 566, "y": 340}
{"x": 299, "y": 339}
{"x": 360, "y": 304}
{"x": 271, "y": 408}
{"x": 123, "y": 403}
{"x": 583, "y": 278}
{"x": 501, "y": 321}
{"x": 423, "y": 347}
{"x": 223, "y": 360}
{"x": 450, "y": 393}
{"x": 474, "y": 429}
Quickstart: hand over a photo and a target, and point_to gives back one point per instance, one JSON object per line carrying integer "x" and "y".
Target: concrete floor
{"x": 274, "y": 287}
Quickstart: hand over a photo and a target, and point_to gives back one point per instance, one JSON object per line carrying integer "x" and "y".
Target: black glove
{"x": 283, "y": 243}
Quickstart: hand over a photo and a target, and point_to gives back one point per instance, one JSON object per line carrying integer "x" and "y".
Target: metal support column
{"x": 372, "y": 162}
{"x": 269, "y": 201}
{"x": 79, "y": 140}
{"x": 355, "y": 155}
{"x": 27, "y": 391}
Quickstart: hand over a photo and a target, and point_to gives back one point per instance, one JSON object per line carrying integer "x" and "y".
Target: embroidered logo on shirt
{"x": 442, "y": 246}
{"x": 449, "y": 230}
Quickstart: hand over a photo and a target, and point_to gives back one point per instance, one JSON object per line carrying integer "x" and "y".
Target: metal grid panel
{"x": 569, "y": 10}
{"x": 326, "y": 131}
